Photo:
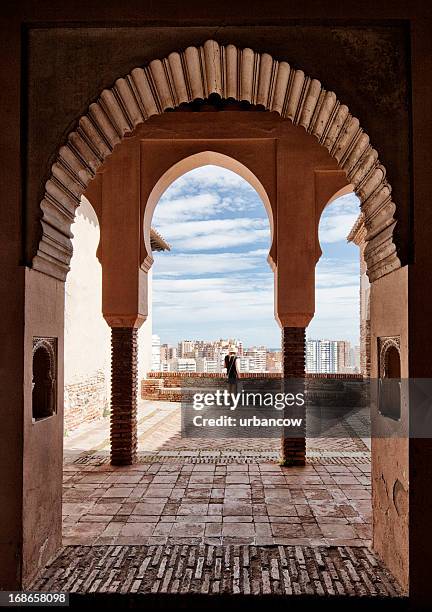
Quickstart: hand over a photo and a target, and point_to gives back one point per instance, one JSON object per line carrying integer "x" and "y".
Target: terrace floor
{"x": 198, "y": 518}
{"x": 192, "y": 492}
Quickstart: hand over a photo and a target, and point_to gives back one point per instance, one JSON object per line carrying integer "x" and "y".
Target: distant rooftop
{"x": 357, "y": 231}
{"x": 157, "y": 242}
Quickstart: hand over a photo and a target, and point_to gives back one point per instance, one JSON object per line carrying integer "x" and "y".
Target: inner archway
{"x": 220, "y": 236}
{"x": 213, "y": 291}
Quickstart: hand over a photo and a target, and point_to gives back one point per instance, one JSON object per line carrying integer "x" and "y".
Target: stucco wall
{"x": 390, "y": 459}
{"x": 43, "y": 440}
{"x": 145, "y": 337}
{"x": 87, "y": 336}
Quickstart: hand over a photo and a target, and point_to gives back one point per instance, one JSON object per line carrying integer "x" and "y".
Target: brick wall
{"x": 365, "y": 348}
{"x": 85, "y": 400}
{"x": 168, "y": 386}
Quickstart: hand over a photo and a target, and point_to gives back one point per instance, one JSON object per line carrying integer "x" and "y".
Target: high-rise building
{"x": 156, "y": 353}
{"x": 345, "y": 364}
{"x": 356, "y": 358}
{"x": 322, "y": 356}
{"x": 257, "y": 356}
{"x": 329, "y": 356}
{"x": 204, "y": 364}
{"x": 185, "y": 364}
{"x": 274, "y": 361}
{"x": 186, "y": 348}
{"x": 164, "y": 350}
{"x": 312, "y": 356}
{"x": 244, "y": 364}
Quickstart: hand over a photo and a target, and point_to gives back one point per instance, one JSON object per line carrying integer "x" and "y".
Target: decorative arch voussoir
{"x": 196, "y": 73}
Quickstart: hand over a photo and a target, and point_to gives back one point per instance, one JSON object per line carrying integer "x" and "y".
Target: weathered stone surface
{"x": 85, "y": 400}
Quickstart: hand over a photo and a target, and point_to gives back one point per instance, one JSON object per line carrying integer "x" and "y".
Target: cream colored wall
{"x": 87, "y": 335}
{"x": 145, "y": 337}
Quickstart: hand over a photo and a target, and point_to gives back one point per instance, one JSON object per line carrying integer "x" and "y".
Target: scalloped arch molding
{"x": 194, "y": 74}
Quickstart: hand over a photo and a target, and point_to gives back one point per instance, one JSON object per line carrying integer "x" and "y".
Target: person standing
{"x": 232, "y": 372}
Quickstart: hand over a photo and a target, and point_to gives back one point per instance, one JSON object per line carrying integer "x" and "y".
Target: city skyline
{"x": 198, "y": 355}
{"x": 216, "y": 279}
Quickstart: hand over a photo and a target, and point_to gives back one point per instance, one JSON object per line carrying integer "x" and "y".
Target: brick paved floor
{"x": 185, "y": 503}
{"x": 159, "y": 432}
{"x": 207, "y": 569}
{"x": 196, "y": 517}
{"x": 191, "y": 491}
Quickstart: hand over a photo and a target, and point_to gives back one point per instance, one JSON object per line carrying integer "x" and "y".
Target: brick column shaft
{"x": 124, "y": 387}
{"x": 293, "y": 450}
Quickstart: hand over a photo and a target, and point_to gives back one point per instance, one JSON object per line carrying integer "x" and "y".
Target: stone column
{"x": 124, "y": 387}
{"x": 293, "y": 450}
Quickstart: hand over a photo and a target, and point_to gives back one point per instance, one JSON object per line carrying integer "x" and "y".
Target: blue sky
{"x": 216, "y": 282}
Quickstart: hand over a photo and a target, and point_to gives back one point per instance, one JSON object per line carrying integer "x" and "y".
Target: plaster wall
{"x": 87, "y": 336}
{"x": 43, "y": 440}
{"x": 87, "y": 341}
{"x": 390, "y": 475}
{"x": 145, "y": 336}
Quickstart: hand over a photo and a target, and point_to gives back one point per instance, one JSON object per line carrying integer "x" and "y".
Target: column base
{"x": 293, "y": 451}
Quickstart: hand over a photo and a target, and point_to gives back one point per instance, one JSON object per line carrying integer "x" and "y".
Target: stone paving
{"x": 181, "y": 503}
{"x": 208, "y": 569}
{"x": 189, "y": 491}
{"x": 193, "y": 518}
{"x": 159, "y": 432}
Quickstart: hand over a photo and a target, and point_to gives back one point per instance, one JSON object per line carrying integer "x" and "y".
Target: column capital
{"x": 294, "y": 319}
{"x": 123, "y": 320}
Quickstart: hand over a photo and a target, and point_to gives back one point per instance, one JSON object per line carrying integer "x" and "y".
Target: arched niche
{"x": 389, "y": 400}
{"x": 44, "y": 376}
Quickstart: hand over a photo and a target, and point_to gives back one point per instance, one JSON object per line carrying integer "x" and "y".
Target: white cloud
{"x": 205, "y": 177}
{"x": 196, "y": 264}
{"x": 213, "y": 302}
{"x": 337, "y": 273}
{"x": 336, "y": 314}
{"x": 188, "y": 207}
{"x": 208, "y": 295}
{"x": 336, "y": 300}
{"x": 335, "y": 229}
{"x": 338, "y": 219}
{"x": 228, "y": 191}
{"x": 216, "y": 234}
